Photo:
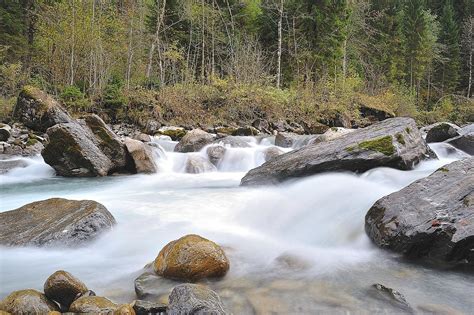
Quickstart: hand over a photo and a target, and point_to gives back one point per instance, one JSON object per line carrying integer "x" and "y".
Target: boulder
{"x": 175, "y": 133}
{"x": 314, "y": 128}
{"x": 124, "y": 309}
{"x": 271, "y": 153}
{"x": 5, "y": 133}
{"x": 63, "y": 288}
{"x": 261, "y": 125}
{"x": 440, "y": 132}
{"x": 74, "y": 150}
{"x": 245, "y": 131}
{"x": 225, "y": 130}
{"x": 331, "y": 134}
{"x": 38, "y": 110}
{"x": 465, "y": 141}
{"x": 215, "y": 154}
{"x": 194, "y": 141}
{"x": 286, "y": 139}
{"x": 395, "y": 298}
{"x": 7, "y": 165}
{"x": 149, "y": 286}
{"x": 142, "y": 137}
{"x": 231, "y": 141}
{"x": 27, "y": 302}
{"x": 431, "y": 219}
{"x": 191, "y": 258}
{"x": 196, "y": 164}
{"x": 393, "y": 143}
{"x": 54, "y": 222}
{"x": 145, "y": 307}
{"x": 93, "y": 304}
{"x": 194, "y": 299}
{"x": 141, "y": 155}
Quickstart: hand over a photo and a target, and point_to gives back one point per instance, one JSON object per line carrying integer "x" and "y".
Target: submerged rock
{"x": 191, "y": 258}
{"x": 54, "y": 222}
{"x": 194, "y": 141}
{"x": 7, "y": 165}
{"x": 149, "y": 286}
{"x": 393, "y": 143}
{"x": 63, "y": 288}
{"x": 233, "y": 142}
{"x": 38, "y": 110}
{"x": 196, "y": 164}
{"x": 431, "y": 219}
{"x": 194, "y": 299}
{"x": 93, "y": 304}
{"x": 392, "y": 296}
{"x": 465, "y": 141}
{"x": 215, "y": 154}
{"x": 145, "y": 307}
{"x": 142, "y": 156}
{"x": 271, "y": 153}
{"x": 440, "y": 132}
{"x": 27, "y": 302}
{"x": 175, "y": 133}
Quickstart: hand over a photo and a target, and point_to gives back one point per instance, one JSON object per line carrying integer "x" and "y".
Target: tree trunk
{"x": 280, "y": 22}
{"x": 156, "y": 39}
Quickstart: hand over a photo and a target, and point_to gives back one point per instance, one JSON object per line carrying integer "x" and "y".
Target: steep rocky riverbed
{"x": 297, "y": 247}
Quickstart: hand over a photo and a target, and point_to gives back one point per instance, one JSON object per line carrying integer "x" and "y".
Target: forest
{"x": 235, "y": 60}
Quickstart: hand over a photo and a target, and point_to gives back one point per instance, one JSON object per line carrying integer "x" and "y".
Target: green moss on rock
{"x": 400, "y": 138}
{"x": 383, "y": 145}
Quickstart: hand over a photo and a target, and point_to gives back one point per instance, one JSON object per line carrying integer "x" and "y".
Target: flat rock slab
{"x": 394, "y": 142}
{"x": 54, "y": 222}
{"x": 431, "y": 219}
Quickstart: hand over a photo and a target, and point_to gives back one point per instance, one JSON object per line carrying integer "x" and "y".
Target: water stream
{"x": 299, "y": 247}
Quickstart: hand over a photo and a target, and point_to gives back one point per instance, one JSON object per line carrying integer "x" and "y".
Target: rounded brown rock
{"x": 27, "y": 302}
{"x": 63, "y": 288}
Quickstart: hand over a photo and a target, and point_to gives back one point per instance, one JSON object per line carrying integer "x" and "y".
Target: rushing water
{"x": 316, "y": 224}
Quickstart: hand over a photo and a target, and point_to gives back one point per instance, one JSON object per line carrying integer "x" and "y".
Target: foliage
{"x": 73, "y": 98}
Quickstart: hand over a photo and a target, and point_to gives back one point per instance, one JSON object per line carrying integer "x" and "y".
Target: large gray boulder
{"x": 431, "y": 219}
{"x": 38, "y": 110}
{"x": 141, "y": 155}
{"x": 54, "y": 222}
{"x": 196, "y": 164}
{"x": 393, "y": 143}
{"x": 465, "y": 141}
{"x": 194, "y": 299}
{"x": 194, "y": 141}
{"x": 85, "y": 148}
{"x": 440, "y": 132}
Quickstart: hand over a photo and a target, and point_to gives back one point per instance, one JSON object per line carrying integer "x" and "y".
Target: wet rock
{"x": 152, "y": 127}
{"x": 63, "y": 288}
{"x": 93, "y": 304}
{"x": 142, "y": 137}
{"x": 27, "y": 302}
{"x": 175, "y": 133}
{"x": 145, "y": 307}
{"x": 440, "y": 132}
{"x": 215, "y": 154}
{"x": 465, "y": 141}
{"x": 233, "y": 142}
{"x": 261, "y": 125}
{"x": 7, "y": 165}
{"x": 245, "y": 131}
{"x": 196, "y": 164}
{"x": 439, "y": 309}
{"x": 431, "y": 219}
{"x": 149, "y": 286}
{"x": 314, "y": 128}
{"x": 191, "y": 258}
{"x": 225, "y": 130}
{"x": 194, "y": 299}
{"x": 393, "y": 143}
{"x": 286, "y": 139}
{"x": 392, "y": 296}
{"x": 291, "y": 262}
{"x": 38, "y": 110}
{"x": 5, "y": 133}
{"x": 271, "y": 153}
{"x": 141, "y": 155}
{"x": 54, "y": 222}
{"x": 194, "y": 141}
{"x": 331, "y": 134}
{"x": 125, "y": 309}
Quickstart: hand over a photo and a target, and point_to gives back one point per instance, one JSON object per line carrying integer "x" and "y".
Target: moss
{"x": 443, "y": 169}
{"x": 408, "y": 130}
{"x": 175, "y": 134}
{"x": 31, "y": 141}
{"x": 350, "y": 149}
{"x": 383, "y": 145}
{"x": 334, "y": 128}
{"x": 400, "y": 138}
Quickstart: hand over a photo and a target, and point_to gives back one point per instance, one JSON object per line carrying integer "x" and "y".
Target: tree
{"x": 468, "y": 49}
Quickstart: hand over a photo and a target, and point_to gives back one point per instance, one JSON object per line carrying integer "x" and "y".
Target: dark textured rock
{"x": 38, "y": 110}
{"x": 465, "y": 141}
{"x": 191, "y": 258}
{"x": 215, "y": 154}
{"x": 391, "y": 296}
{"x": 93, "y": 304}
{"x": 54, "y": 222}
{"x": 441, "y": 131}
{"x": 194, "y": 141}
{"x": 196, "y": 164}
{"x": 286, "y": 139}
{"x": 314, "y": 128}
{"x": 431, "y": 219}
{"x": 393, "y": 143}
{"x": 374, "y": 114}
{"x": 245, "y": 131}
{"x": 194, "y": 299}
{"x": 233, "y": 142}
{"x": 149, "y": 286}
{"x": 261, "y": 125}
{"x": 63, "y": 288}
{"x": 145, "y": 307}
{"x": 27, "y": 302}
{"x": 4, "y": 133}
{"x": 141, "y": 155}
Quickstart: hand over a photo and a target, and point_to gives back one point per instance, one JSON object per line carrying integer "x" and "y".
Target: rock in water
{"x": 465, "y": 141}
{"x": 271, "y": 153}
{"x": 194, "y": 299}
{"x": 441, "y": 131}
{"x": 286, "y": 139}
{"x": 215, "y": 154}
{"x": 142, "y": 156}
{"x": 233, "y": 142}
{"x": 194, "y": 141}
{"x": 191, "y": 258}
{"x": 54, "y": 222}
{"x": 93, "y": 305}
{"x": 38, "y": 110}
{"x": 392, "y": 296}
{"x": 431, "y": 219}
{"x": 196, "y": 164}
{"x": 145, "y": 307}
{"x": 27, "y": 302}
{"x": 63, "y": 288}
{"x": 394, "y": 142}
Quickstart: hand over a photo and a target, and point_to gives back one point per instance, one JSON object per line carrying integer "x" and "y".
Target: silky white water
{"x": 318, "y": 219}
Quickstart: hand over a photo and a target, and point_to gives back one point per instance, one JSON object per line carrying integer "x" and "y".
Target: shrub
{"x": 73, "y": 98}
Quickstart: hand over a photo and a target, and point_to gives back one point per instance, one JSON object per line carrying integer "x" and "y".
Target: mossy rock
{"x": 63, "y": 288}
{"x": 93, "y": 304}
{"x": 174, "y": 134}
{"x": 383, "y": 145}
{"x": 27, "y": 302}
